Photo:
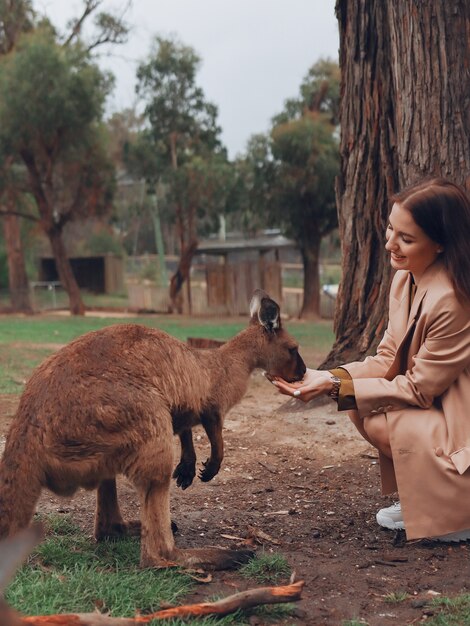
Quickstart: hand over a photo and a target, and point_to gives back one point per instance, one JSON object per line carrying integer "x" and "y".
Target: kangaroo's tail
{"x": 20, "y": 488}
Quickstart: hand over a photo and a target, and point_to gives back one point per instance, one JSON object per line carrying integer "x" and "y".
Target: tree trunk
{"x": 64, "y": 270}
{"x": 54, "y": 234}
{"x": 188, "y": 246}
{"x": 180, "y": 276}
{"x": 430, "y": 51}
{"x": 310, "y": 260}
{"x": 17, "y": 278}
{"x": 367, "y": 177}
{"x": 405, "y": 114}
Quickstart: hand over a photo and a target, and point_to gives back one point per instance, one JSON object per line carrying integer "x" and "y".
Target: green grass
{"x": 452, "y": 611}
{"x": 449, "y": 611}
{"x": 395, "y": 597}
{"x": 267, "y": 568}
{"x": 318, "y": 335}
{"x": 16, "y": 365}
{"x": 63, "y": 329}
{"x": 68, "y": 572}
{"x": 18, "y": 335}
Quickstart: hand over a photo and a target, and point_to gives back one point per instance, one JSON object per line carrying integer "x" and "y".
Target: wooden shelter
{"x": 235, "y": 268}
{"x": 99, "y": 274}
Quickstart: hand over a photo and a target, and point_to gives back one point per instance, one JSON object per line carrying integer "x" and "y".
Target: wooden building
{"x": 235, "y": 268}
{"x": 98, "y": 274}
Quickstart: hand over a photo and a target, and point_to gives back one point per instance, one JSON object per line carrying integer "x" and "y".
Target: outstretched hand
{"x": 314, "y": 383}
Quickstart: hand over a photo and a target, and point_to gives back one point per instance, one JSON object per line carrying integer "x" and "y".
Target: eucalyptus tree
{"x": 290, "y": 173}
{"x": 200, "y": 189}
{"x": 72, "y": 49}
{"x": 16, "y": 18}
{"x": 319, "y": 91}
{"x": 51, "y": 103}
{"x": 108, "y": 27}
{"x": 253, "y": 179}
{"x": 182, "y": 126}
{"x": 405, "y": 115}
{"x": 302, "y": 197}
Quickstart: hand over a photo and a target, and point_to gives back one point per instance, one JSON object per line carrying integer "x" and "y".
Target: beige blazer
{"x": 420, "y": 380}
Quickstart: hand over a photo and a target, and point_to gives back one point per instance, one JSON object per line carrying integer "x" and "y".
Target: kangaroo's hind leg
{"x": 150, "y": 471}
{"x": 109, "y": 523}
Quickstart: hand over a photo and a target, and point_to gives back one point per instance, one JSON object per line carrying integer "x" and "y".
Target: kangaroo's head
{"x": 278, "y": 351}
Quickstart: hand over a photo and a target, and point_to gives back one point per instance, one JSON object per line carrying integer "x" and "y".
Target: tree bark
{"x": 17, "y": 278}
{"x": 430, "y": 48}
{"x": 180, "y": 276}
{"x": 405, "y": 114}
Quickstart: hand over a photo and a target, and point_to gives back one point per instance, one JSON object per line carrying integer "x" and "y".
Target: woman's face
{"x": 409, "y": 246}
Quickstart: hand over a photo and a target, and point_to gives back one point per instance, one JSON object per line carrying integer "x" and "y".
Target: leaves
{"x": 306, "y": 160}
{"x": 181, "y": 120}
{"x": 51, "y": 101}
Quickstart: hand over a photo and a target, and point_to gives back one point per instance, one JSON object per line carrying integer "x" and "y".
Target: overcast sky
{"x": 254, "y": 52}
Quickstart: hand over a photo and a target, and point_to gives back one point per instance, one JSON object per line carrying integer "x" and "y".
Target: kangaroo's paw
{"x": 211, "y": 469}
{"x": 118, "y": 530}
{"x": 184, "y": 474}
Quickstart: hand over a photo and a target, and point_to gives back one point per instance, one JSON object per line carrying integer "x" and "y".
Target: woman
{"x": 412, "y": 400}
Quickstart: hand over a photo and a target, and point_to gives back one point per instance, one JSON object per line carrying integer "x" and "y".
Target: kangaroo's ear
{"x": 265, "y": 311}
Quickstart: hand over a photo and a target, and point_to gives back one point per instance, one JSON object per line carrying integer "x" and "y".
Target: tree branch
{"x": 45, "y": 210}
{"x": 112, "y": 28}
{"x": 243, "y": 600}
{"x": 27, "y": 216}
{"x": 90, "y": 6}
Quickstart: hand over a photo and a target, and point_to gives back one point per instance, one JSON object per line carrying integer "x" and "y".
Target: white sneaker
{"x": 461, "y": 535}
{"x": 391, "y": 517}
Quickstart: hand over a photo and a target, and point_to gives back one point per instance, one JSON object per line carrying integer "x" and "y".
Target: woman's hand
{"x": 314, "y": 383}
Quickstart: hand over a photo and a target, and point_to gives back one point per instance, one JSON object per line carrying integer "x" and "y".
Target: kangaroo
{"x": 109, "y": 403}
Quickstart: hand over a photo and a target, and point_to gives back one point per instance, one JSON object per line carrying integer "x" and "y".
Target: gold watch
{"x": 334, "y": 393}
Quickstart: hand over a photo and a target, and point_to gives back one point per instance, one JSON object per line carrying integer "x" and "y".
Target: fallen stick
{"x": 270, "y": 469}
{"x": 243, "y": 600}
{"x": 300, "y": 487}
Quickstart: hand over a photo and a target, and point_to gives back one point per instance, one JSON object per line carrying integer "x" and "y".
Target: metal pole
{"x": 158, "y": 238}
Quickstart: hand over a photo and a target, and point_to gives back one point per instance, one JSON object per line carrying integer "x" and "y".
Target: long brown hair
{"x": 442, "y": 210}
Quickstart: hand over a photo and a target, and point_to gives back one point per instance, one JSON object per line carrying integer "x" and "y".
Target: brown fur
{"x": 109, "y": 402}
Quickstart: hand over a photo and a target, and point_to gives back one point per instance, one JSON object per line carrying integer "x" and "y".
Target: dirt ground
{"x": 299, "y": 481}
